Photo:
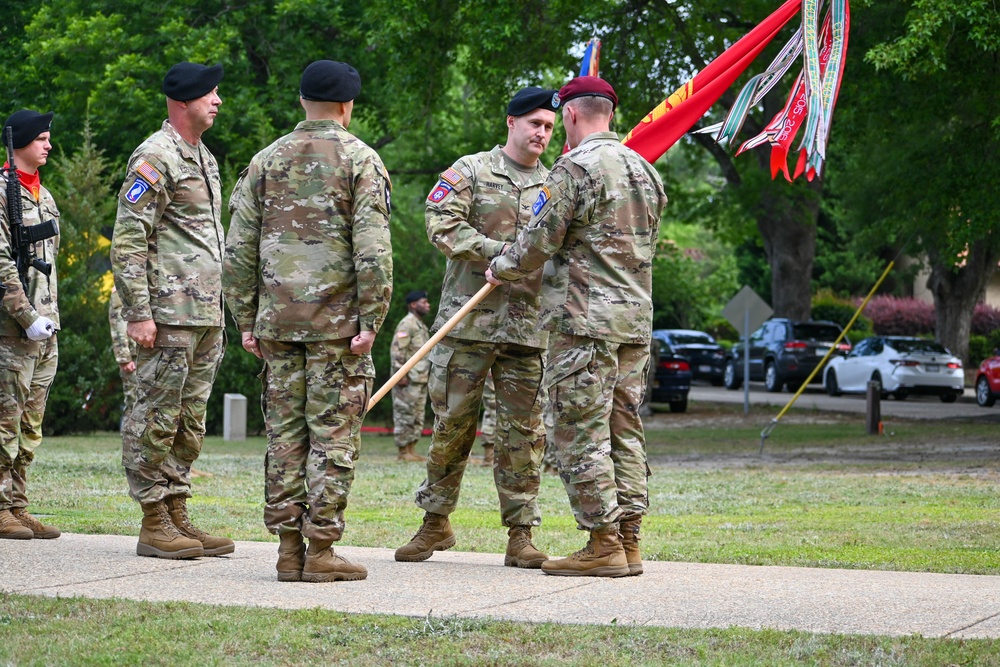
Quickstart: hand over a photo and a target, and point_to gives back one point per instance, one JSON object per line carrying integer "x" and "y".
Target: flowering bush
{"x": 895, "y": 316}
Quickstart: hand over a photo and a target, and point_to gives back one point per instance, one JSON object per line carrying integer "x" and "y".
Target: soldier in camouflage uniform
{"x": 124, "y": 350}
{"x": 166, "y": 255}
{"x": 29, "y": 351}
{"x": 596, "y": 223}
{"x": 409, "y": 395}
{"x": 473, "y": 212}
{"x": 308, "y": 278}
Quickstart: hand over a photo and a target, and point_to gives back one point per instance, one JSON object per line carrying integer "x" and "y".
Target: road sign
{"x": 748, "y": 310}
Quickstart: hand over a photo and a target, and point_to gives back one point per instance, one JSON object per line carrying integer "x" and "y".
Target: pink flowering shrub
{"x": 895, "y": 316}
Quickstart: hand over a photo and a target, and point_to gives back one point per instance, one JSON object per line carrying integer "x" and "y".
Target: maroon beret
{"x": 587, "y": 85}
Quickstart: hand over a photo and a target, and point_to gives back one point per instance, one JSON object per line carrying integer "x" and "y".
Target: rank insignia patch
{"x": 440, "y": 192}
{"x": 543, "y": 197}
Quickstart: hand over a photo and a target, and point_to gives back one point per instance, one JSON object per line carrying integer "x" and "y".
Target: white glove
{"x": 41, "y": 329}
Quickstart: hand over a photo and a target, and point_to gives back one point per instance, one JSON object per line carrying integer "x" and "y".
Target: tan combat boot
{"x": 322, "y": 564}
{"x": 602, "y": 557}
{"x": 160, "y": 538}
{"x": 213, "y": 546}
{"x": 11, "y": 528}
{"x": 39, "y": 530}
{"x": 408, "y": 455}
{"x": 434, "y": 535}
{"x": 629, "y": 530}
{"x": 520, "y": 551}
{"x": 291, "y": 556}
{"x": 487, "y": 461}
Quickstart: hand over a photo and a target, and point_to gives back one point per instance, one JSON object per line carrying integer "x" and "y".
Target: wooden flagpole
{"x": 434, "y": 340}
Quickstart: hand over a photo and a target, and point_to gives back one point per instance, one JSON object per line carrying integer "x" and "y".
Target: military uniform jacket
{"x": 168, "y": 241}
{"x": 597, "y": 217}
{"x": 20, "y": 310}
{"x": 477, "y": 207}
{"x": 308, "y": 256}
{"x": 411, "y": 333}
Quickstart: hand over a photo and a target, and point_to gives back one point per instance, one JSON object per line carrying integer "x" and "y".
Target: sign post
{"x": 746, "y": 311}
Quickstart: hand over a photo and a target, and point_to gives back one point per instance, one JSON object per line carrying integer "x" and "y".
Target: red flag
{"x": 673, "y": 117}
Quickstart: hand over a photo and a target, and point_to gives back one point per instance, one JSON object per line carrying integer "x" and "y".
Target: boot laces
{"x": 22, "y": 517}
{"x": 168, "y": 525}
{"x": 198, "y": 533}
{"x": 520, "y": 538}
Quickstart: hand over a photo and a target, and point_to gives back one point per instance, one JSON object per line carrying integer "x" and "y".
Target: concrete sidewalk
{"x": 476, "y": 585}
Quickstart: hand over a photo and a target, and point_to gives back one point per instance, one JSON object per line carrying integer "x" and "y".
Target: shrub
{"x": 895, "y": 316}
{"x": 985, "y": 320}
{"x": 825, "y": 306}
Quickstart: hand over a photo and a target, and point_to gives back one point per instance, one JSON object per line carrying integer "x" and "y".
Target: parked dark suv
{"x": 673, "y": 376}
{"x": 783, "y": 352}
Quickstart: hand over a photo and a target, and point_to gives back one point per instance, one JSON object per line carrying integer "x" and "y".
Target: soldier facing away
{"x": 473, "y": 212}
{"x": 166, "y": 255}
{"x": 597, "y": 220}
{"x": 409, "y": 395}
{"x": 29, "y": 352}
{"x": 308, "y": 278}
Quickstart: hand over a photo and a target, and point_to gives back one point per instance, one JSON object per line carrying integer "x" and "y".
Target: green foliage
{"x": 826, "y": 306}
{"x": 688, "y": 293}
{"x": 86, "y": 393}
{"x": 982, "y": 347}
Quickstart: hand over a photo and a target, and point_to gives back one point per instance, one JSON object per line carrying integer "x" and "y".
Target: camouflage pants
{"x": 489, "y": 423}
{"x": 409, "y": 404}
{"x": 27, "y": 369}
{"x": 130, "y": 388}
{"x": 596, "y": 388}
{"x": 314, "y": 400}
{"x": 458, "y": 372}
{"x": 162, "y": 433}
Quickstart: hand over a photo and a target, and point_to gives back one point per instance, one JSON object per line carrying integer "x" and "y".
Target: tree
{"x": 919, "y": 142}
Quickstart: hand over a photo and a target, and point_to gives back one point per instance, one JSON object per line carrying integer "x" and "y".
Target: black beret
{"x": 329, "y": 81}
{"x": 26, "y": 125}
{"x": 415, "y": 295}
{"x": 189, "y": 81}
{"x": 582, "y": 86}
{"x": 528, "y": 99}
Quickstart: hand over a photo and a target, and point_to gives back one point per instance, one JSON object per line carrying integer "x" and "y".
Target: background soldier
{"x": 472, "y": 213}
{"x": 308, "y": 278}
{"x": 27, "y": 365}
{"x": 409, "y": 395}
{"x": 488, "y": 426}
{"x": 167, "y": 259}
{"x": 597, "y": 218}
{"x": 124, "y": 350}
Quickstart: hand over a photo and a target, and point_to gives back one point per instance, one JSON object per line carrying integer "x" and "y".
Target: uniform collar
{"x": 187, "y": 150}
{"x": 597, "y": 136}
{"x": 498, "y": 165}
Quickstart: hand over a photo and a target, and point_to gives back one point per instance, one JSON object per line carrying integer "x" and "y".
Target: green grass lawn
{"x": 823, "y": 494}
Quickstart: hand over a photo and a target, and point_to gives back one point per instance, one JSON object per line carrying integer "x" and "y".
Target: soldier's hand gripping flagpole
{"x": 434, "y": 340}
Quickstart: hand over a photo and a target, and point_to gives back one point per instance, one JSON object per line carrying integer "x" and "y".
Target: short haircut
{"x": 592, "y": 107}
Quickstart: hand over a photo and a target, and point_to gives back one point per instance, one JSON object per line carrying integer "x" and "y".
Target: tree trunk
{"x": 787, "y": 224}
{"x": 957, "y": 290}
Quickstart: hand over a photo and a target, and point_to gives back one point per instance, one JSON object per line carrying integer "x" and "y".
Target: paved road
{"x": 477, "y": 585}
{"x": 814, "y": 398}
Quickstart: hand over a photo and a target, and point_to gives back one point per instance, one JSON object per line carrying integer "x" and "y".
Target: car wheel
{"x": 984, "y": 396}
{"x": 900, "y": 394}
{"x": 832, "y": 388}
{"x": 949, "y": 397}
{"x": 772, "y": 381}
{"x": 877, "y": 377}
{"x": 679, "y": 406}
{"x": 729, "y": 377}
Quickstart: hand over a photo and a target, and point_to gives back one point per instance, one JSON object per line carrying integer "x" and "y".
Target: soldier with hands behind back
{"x": 409, "y": 395}
{"x": 308, "y": 278}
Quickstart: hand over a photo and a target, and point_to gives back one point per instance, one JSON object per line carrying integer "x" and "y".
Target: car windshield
{"x": 927, "y": 346}
{"x": 820, "y": 332}
{"x": 692, "y": 339}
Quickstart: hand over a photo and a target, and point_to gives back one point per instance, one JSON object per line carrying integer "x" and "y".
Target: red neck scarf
{"x": 30, "y": 182}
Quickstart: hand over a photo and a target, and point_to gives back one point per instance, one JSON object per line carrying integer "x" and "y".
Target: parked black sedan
{"x": 673, "y": 376}
{"x": 706, "y": 356}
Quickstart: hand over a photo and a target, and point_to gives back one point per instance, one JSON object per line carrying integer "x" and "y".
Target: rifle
{"x": 22, "y": 237}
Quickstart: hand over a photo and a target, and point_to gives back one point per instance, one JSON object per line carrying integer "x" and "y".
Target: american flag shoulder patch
{"x": 451, "y": 176}
{"x": 148, "y": 172}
